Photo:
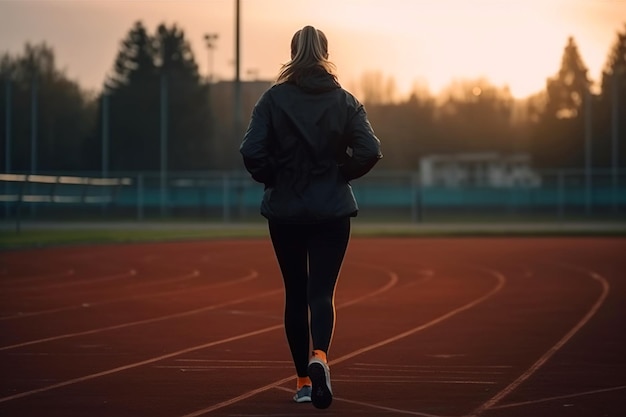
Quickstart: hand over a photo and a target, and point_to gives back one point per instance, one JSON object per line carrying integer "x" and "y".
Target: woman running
{"x": 307, "y": 138}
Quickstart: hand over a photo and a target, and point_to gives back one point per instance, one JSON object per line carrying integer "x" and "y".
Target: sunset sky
{"x": 518, "y": 43}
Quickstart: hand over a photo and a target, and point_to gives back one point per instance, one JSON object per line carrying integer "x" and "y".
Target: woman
{"x": 306, "y": 140}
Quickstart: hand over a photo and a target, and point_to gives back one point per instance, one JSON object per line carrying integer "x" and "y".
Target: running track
{"x": 436, "y": 327}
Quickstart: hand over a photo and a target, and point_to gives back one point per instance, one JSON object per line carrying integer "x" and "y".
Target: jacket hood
{"x": 316, "y": 80}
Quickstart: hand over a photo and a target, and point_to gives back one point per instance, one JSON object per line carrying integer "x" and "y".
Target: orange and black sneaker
{"x": 303, "y": 390}
{"x": 303, "y": 395}
{"x": 321, "y": 392}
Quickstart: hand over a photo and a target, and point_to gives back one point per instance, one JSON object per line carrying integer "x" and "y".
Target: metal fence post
{"x": 588, "y": 151}
{"x": 416, "y": 198}
{"x": 140, "y": 197}
{"x": 560, "y": 193}
{"x": 226, "y": 197}
{"x": 7, "y": 142}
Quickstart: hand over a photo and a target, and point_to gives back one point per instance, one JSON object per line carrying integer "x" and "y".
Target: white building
{"x": 487, "y": 169}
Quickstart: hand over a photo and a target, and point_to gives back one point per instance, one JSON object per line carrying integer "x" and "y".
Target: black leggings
{"x": 310, "y": 257}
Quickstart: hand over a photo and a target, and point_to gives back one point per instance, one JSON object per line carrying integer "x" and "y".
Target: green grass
{"x": 154, "y": 232}
{"x": 34, "y": 238}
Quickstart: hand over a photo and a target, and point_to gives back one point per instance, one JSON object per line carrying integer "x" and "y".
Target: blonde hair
{"x": 309, "y": 51}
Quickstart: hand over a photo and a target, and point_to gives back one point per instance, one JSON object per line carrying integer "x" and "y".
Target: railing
{"x": 33, "y": 190}
{"x": 233, "y": 197}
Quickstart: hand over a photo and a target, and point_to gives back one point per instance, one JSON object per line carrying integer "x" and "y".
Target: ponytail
{"x": 309, "y": 50}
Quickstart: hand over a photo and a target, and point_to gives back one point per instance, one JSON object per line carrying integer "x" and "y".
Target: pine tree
{"x": 63, "y": 116}
{"x": 147, "y": 70}
{"x": 188, "y": 102}
{"x": 558, "y": 141}
{"x": 567, "y": 90}
{"x": 610, "y": 122}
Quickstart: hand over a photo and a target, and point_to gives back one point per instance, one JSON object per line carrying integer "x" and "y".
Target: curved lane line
{"x": 368, "y": 405}
{"x": 138, "y": 364}
{"x": 559, "y": 397}
{"x": 83, "y": 281}
{"x": 253, "y": 274}
{"x": 392, "y": 281}
{"x": 31, "y": 278}
{"x": 146, "y": 321}
{"x": 546, "y": 356}
{"x": 500, "y": 284}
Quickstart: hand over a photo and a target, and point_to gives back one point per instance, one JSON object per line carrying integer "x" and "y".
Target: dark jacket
{"x": 305, "y": 142}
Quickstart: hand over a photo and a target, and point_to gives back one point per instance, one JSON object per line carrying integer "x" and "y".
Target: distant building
{"x": 487, "y": 169}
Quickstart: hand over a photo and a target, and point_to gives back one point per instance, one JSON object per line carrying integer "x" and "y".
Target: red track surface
{"x": 426, "y": 327}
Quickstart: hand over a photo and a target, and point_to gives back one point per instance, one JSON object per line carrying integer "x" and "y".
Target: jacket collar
{"x": 316, "y": 80}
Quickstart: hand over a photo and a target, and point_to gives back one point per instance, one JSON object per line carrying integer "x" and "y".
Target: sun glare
{"x": 513, "y": 43}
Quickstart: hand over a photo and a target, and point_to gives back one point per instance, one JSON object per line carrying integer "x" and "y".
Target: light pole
{"x": 163, "y": 140}
{"x": 237, "y": 90}
{"x": 34, "y": 107}
{"x": 209, "y": 40}
{"x": 7, "y": 126}
{"x": 105, "y": 131}
{"x": 7, "y": 140}
{"x": 618, "y": 76}
{"x": 587, "y": 108}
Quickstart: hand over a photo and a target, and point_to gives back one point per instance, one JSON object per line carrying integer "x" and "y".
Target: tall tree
{"x": 152, "y": 71}
{"x": 610, "y": 122}
{"x": 134, "y": 104}
{"x": 50, "y": 115}
{"x": 188, "y": 102}
{"x": 558, "y": 140}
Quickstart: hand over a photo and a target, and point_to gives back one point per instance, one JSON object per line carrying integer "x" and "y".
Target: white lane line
{"x": 364, "y": 379}
{"x": 500, "y": 284}
{"x": 138, "y": 364}
{"x": 199, "y": 368}
{"x": 233, "y": 361}
{"x": 88, "y": 281}
{"x": 31, "y": 278}
{"x": 409, "y": 366}
{"x": 83, "y": 281}
{"x": 431, "y": 367}
{"x": 425, "y": 371}
{"x": 177, "y": 278}
{"x": 546, "y": 356}
{"x": 392, "y": 281}
{"x": 252, "y": 275}
{"x": 559, "y": 397}
{"x": 368, "y": 405}
{"x": 146, "y": 321}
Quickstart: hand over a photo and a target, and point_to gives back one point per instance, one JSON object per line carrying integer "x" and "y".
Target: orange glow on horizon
{"x": 511, "y": 43}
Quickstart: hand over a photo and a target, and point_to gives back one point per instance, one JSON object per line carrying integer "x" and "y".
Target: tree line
{"x": 49, "y": 123}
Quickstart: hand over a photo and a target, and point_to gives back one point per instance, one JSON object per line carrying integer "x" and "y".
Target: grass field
{"x": 45, "y": 234}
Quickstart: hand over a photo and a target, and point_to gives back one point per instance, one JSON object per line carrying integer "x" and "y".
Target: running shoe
{"x": 303, "y": 395}
{"x": 321, "y": 393}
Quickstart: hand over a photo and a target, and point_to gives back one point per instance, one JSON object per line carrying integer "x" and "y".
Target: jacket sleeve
{"x": 255, "y": 145}
{"x": 364, "y": 146}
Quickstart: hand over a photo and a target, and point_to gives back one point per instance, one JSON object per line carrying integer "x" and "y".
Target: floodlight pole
{"x": 237, "y": 89}
{"x": 33, "y": 125}
{"x": 615, "y": 104}
{"x": 237, "y": 40}
{"x": 105, "y": 132}
{"x": 209, "y": 39}
{"x": 163, "y": 141}
{"x": 588, "y": 150}
{"x": 7, "y": 140}
{"x": 7, "y": 126}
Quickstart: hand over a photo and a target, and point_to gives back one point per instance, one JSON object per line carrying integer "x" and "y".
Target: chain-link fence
{"x": 233, "y": 197}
